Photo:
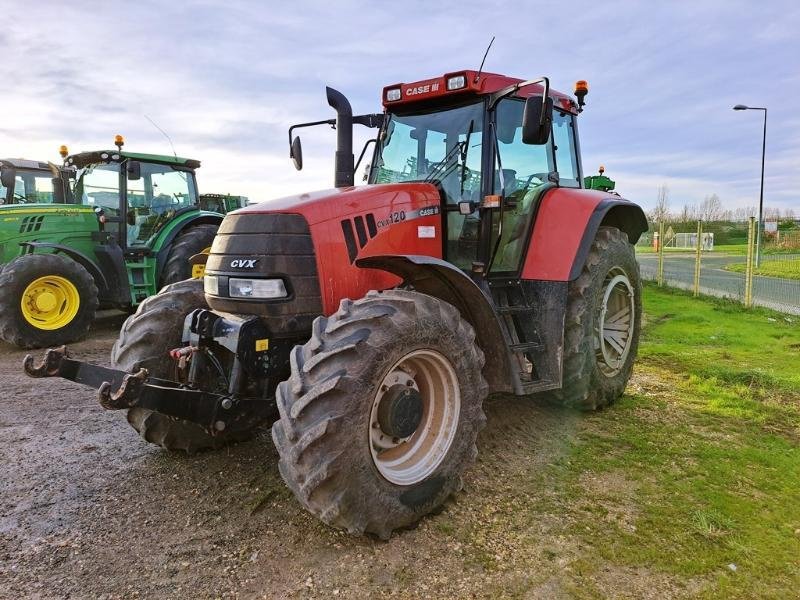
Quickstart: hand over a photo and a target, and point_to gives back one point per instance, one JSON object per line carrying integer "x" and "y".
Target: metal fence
{"x": 725, "y": 263}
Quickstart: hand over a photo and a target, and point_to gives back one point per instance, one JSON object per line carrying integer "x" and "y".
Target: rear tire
{"x": 332, "y": 447}
{"x": 45, "y": 300}
{"x": 188, "y": 243}
{"x": 144, "y": 341}
{"x": 609, "y": 292}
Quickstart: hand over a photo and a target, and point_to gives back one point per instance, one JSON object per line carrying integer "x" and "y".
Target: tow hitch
{"x": 122, "y": 390}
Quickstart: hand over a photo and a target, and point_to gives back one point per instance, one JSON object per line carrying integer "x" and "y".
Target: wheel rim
{"x": 50, "y": 302}
{"x": 613, "y": 333}
{"x": 409, "y": 460}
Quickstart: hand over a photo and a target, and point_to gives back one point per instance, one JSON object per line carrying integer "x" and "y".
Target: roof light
{"x": 457, "y": 82}
{"x": 581, "y": 89}
{"x": 63, "y": 151}
{"x": 119, "y": 141}
{"x": 393, "y": 95}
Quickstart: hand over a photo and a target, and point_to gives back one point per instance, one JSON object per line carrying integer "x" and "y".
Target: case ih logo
{"x": 244, "y": 263}
{"x": 422, "y": 89}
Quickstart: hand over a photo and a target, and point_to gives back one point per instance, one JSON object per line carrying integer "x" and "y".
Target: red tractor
{"x": 378, "y": 318}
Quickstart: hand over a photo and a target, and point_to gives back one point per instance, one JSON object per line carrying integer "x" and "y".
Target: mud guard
{"x": 622, "y": 214}
{"x": 78, "y": 257}
{"x": 443, "y": 280}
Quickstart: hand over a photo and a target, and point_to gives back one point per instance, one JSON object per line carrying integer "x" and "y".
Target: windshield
{"x": 29, "y": 187}
{"x": 153, "y": 197}
{"x": 441, "y": 147}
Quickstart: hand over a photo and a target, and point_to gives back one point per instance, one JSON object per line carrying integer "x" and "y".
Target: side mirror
{"x": 134, "y": 170}
{"x": 296, "y": 153}
{"x": 8, "y": 178}
{"x": 537, "y": 120}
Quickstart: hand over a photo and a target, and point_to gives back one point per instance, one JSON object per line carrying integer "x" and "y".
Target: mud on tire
{"x": 324, "y": 434}
{"x": 144, "y": 342}
{"x": 589, "y": 383}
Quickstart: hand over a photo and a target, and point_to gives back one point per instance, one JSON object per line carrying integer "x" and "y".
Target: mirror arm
{"x": 507, "y": 91}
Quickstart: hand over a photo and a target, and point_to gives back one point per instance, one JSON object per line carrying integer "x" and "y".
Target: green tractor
{"x": 600, "y": 182}
{"x": 126, "y": 227}
{"x": 33, "y": 182}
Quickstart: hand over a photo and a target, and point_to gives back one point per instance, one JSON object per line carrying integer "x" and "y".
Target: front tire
{"x": 380, "y": 416}
{"x": 45, "y": 300}
{"x": 144, "y": 341}
{"x": 188, "y": 243}
{"x": 603, "y": 321}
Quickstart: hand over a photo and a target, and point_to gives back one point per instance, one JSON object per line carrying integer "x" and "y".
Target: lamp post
{"x": 761, "y": 195}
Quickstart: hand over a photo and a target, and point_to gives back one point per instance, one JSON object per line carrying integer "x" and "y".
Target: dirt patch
{"x": 89, "y": 510}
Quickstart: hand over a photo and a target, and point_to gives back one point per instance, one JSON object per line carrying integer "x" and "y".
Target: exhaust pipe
{"x": 345, "y": 165}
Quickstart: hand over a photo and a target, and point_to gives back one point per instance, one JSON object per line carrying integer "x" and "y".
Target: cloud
{"x": 225, "y": 80}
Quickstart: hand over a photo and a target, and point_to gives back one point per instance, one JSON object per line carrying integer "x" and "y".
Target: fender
{"x": 165, "y": 242}
{"x": 78, "y": 257}
{"x": 566, "y": 224}
{"x": 443, "y": 280}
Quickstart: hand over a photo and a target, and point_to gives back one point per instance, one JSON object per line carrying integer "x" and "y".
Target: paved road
{"x": 772, "y": 292}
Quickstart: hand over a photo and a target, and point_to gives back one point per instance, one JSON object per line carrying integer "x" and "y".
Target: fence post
{"x": 660, "y": 273}
{"x": 748, "y": 272}
{"x": 697, "y": 258}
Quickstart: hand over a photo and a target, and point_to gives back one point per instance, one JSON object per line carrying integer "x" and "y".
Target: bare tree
{"x": 711, "y": 209}
{"x": 660, "y": 212}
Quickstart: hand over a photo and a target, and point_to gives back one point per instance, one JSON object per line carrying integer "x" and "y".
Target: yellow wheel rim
{"x": 50, "y": 302}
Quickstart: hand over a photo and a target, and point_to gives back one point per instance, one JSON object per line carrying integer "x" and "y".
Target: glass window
{"x": 566, "y": 156}
{"x": 444, "y": 148}
{"x": 98, "y": 185}
{"x": 154, "y": 198}
{"x": 29, "y": 187}
{"x": 525, "y": 168}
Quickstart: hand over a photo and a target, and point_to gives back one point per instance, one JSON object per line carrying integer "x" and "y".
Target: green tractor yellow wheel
{"x": 45, "y": 300}
{"x": 50, "y": 302}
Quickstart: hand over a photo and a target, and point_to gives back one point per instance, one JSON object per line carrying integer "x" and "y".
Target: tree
{"x": 660, "y": 213}
{"x": 711, "y": 209}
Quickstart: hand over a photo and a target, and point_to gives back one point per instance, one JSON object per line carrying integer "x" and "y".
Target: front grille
{"x": 282, "y": 247}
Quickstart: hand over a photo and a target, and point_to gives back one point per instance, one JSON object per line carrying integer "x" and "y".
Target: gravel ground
{"x": 88, "y": 510}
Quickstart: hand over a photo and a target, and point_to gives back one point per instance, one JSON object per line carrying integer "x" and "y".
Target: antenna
{"x": 485, "y": 54}
{"x": 164, "y": 133}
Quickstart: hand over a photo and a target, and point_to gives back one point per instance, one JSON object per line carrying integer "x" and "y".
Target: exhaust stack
{"x": 345, "y": 166}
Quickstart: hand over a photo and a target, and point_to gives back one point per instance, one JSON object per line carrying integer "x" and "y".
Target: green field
{"x": 688, "y": 487}
{"x": 785, "y": 269}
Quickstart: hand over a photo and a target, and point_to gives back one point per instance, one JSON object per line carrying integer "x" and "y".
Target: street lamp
{"x": 761, "y": 195}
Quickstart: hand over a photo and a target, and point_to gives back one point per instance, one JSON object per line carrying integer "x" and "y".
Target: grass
{"x": 784, "y": 269}
{"x": 688, "y": 486}
{"x": 734, "y": 249}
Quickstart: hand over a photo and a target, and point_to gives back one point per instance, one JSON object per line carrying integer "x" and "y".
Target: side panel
{"x": 66, "y": 225}
{"x": 566, "y": 223}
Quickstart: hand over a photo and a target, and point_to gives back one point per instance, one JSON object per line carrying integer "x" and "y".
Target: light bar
{"x": 393, "y": 95}
{"x": 457, "y": 82}
{"x": 256, "y": 288}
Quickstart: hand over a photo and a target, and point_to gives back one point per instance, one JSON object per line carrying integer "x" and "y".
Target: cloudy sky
{"x": 225, "y": 79}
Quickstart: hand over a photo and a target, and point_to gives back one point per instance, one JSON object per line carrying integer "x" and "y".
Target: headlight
{"x": 211, "y": 285}
{"x": 256, "y": 288}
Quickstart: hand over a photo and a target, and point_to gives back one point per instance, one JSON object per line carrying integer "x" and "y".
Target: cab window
{"x": 566, "y": 154}
{"x": 520, "y": 172}
{"x": 153, "y": 199}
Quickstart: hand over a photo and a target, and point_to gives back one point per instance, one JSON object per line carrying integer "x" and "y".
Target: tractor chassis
{"x": 255, "y": 358}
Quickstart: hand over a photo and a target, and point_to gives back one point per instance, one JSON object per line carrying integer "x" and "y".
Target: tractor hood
{"x": 338, "y": 203}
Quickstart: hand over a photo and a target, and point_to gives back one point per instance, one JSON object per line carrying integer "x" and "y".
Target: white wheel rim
{"x": 409, "y": 460}
{"x": 613, "y": 334}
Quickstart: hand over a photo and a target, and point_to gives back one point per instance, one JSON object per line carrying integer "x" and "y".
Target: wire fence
{"x": 722, "y": 259}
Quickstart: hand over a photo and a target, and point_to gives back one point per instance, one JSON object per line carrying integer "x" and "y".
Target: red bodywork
{"x": 559, "y": 229}
{"x": 487, "y": 83}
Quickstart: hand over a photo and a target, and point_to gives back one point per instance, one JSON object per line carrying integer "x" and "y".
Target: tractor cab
{"x": 136, "y": 196}
{"x": 33, "y": 182}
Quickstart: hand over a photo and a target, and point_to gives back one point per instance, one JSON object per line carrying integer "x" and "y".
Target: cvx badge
{"x": 244, "y": 263}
